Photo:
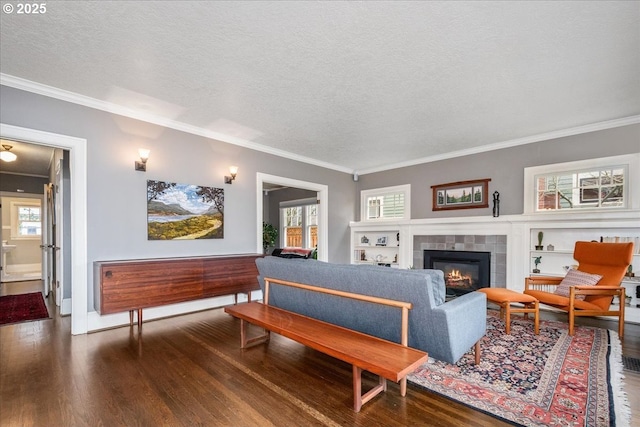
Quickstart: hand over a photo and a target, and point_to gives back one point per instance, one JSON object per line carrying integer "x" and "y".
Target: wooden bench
{"x": 384, "y": 358}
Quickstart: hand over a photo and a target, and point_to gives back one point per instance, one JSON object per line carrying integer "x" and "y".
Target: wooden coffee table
{"x": 505, "y": 297}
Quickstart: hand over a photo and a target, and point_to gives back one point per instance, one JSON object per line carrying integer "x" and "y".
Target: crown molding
{"x": 75, "y": 98}
{"x": 511, "y": 143}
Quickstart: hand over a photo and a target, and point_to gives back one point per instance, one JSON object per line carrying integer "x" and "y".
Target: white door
{"x": 48, "y": 236}
{"x": 59, "y": 248}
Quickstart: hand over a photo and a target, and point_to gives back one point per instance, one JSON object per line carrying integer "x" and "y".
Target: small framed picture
{"x": 382, "y": 241}
{"x": 461, "y": 195}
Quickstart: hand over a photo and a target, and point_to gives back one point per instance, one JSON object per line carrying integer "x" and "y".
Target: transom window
{"x": 386, "y": 203}
{"x": 585, "y": 189}
{"x": 591, "y": 184}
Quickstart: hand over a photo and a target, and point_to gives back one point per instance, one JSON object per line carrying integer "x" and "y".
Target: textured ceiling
{"x": 31, "y": 159}
{"x": 357, "y": 85}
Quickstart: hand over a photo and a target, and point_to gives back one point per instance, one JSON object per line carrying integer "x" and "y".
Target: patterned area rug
{"x": 22, "y": 308}
{"x": 550, "y": 379}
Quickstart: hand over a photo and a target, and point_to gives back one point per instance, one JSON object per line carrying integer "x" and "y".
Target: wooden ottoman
{"x": 505, "y": 297}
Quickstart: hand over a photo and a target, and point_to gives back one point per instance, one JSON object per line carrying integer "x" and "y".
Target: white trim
{"x": 632, "y": 120}
{"x": 632, "y": 188}
{"x": 323, "y": 209}
{"x": 65, "y": 307}
{"x": 375, "y": 192}
{"x": 53, "y": 92}
{"x": 63, "y": 95}
{"x": 78, "y": 165}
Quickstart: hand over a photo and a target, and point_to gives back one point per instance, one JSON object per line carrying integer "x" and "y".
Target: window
{"x": 386, "y": 203}
{"x": 29, "y": 223}
{"x": 299, "y": 223}
{"x": 592, "y": 184}
{"x": 26, "y": 219}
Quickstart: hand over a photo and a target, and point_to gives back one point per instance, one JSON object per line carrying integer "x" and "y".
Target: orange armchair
{"x": 610, "y": 260}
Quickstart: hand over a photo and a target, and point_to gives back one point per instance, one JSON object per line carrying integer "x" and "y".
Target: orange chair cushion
{"x": 610, "y": 260}
{"x": 505, "y": 295}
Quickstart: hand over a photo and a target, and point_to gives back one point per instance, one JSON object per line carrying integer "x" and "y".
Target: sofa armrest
{"x": 460, "y": 323}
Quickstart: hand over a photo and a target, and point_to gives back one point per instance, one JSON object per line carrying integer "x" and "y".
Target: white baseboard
{"x": 23, "y": 268}
{"x": 65, "y": 308}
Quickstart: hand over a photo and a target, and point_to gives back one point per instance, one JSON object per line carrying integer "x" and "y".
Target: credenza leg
{"x": 130, "y": 317}
{"x": 139, "y": 319}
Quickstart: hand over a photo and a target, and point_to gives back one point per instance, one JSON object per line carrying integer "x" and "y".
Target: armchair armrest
{"x": 597, "y": 290}
{"x": 541, "y": 283}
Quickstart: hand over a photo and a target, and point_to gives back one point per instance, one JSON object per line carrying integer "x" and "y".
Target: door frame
{"x": 323, "y": 209}
{"x": 77, "y": 148}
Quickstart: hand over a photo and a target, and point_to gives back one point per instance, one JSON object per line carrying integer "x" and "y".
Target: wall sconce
{"x": 7, "y": 155}
{"x": 233, "y": 170}
{"x": 144, "y": 156}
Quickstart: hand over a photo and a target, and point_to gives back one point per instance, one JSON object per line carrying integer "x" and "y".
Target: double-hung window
{"x": 26, "y": 219}
{"x": 299, "y": 223}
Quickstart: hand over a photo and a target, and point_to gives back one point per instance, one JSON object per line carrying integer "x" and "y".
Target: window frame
{"x": 304, "y": 205}
{"x": 15, "y": 221}
{"x": 630, "y": 163}
{"x": 365, "y": 195}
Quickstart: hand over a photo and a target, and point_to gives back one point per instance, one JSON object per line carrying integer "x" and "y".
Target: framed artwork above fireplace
{"x": 461, "y": 195}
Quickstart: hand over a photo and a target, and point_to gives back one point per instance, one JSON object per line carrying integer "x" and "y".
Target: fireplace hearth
{"x": 464, "y": 271}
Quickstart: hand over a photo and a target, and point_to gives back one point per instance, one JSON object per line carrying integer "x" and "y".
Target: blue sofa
{"x": 445, "y": 330}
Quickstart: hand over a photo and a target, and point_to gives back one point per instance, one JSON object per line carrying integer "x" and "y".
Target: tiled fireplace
{"x": 495, "y": 245}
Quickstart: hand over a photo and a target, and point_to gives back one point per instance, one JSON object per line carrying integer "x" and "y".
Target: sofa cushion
{"x": 576, "y": 278}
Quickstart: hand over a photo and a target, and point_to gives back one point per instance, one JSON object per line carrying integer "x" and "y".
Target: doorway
{"x": 78, "y": 205}
{"x": 264, "y": 182}
{"x": 22, "y": 238}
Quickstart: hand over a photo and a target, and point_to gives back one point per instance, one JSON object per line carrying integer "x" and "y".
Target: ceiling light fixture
{"x": 7, "y": 155}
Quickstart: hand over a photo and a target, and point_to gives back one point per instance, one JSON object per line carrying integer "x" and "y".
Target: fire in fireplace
{"x": 464, "y": 271}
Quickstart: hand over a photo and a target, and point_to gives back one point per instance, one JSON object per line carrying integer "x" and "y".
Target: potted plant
{"x": 536, "y": 261}
{"x": 269, "y": 236}
{"x": 539, "y": 246}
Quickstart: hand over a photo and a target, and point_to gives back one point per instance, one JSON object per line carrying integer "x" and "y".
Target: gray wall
{"x": 505, "y": 167}
{"x": 29, "y": 184}
{"x": 116, "y": 210}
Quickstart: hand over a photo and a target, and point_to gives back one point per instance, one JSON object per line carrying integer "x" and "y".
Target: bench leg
{"x": 245, "y": 341}
{"x": 360, "y": 399}
{"x": 476, "y": 351}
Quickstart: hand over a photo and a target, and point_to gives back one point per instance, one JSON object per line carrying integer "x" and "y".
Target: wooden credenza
{"x": 133, "y": 285}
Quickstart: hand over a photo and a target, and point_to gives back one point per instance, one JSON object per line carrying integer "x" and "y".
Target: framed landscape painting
{"x": 184, "y": 212}
{"x": 461, "y": 195}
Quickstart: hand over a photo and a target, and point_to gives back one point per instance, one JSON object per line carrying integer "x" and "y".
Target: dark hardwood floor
{"x": 189, "y": 370}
